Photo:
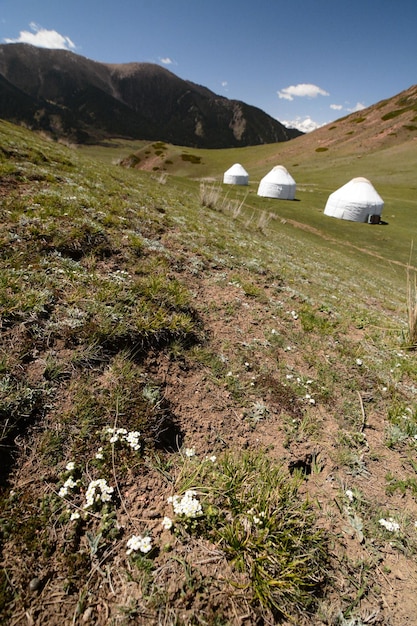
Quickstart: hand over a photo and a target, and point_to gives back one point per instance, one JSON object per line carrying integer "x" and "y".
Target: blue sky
{"x": 305, "y": 62}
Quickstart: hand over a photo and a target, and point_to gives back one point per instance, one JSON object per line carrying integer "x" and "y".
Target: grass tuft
{"x": 267, "y": 530}
{"x": 411, "y": 308}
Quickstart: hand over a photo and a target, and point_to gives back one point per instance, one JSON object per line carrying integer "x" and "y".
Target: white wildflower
{"x": 99, "y": 453}
{"x": 124, "y": 436}
{"x": 75, "y": 516}
{"x": 310, "y": 399}
{"x": 70, "y": 466}
{"x": 68, "y": 484}
{"x": 146, "y": 545}
{"x": 390, "y": 524}
{"x": 349, "y": 494}
{"x": 167, "y": 523}
{"x": 137, "y": 542}
{"x": 187, "y": 505}
{"x": 189, "y": 452}
{"x": 259, "y": 518}
{"x": 98, "y": 490}
{"x": 132, "y": 438}
{"x": 359, "y": 361}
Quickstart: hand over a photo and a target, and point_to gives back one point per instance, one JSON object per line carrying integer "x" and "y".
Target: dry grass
{"x": 412, "y": 309}
{"x": 412, "y": 305}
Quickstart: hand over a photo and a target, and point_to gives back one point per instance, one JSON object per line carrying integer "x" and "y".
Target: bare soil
{"x": 199, "y": 584}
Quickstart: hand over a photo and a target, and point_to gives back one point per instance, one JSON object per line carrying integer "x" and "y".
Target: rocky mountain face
{"x": 71, "y": 96}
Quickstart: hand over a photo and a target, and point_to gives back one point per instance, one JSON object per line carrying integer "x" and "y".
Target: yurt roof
{"x": 237, "y": 170}
{"x": 279, "y": 174}
{"x": 359, "y": 188}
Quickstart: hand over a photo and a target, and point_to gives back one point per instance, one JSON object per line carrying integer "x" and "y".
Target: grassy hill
{"x": 207, "y": 398}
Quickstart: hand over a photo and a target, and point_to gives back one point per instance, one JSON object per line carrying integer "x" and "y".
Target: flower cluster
{"x": 98, "y": 491}
{"x": 304, "y": 383}
{"x": 310, "y": 399}
{"x": 70, "y": 483}
{"x": 259, "y": 518}
{"x": 137, "y": 542}
{"x": 390, "y": 524}
{"x": 187, "y": 505}
{"x": 123, "y": 435}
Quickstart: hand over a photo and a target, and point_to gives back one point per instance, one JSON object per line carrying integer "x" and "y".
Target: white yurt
{"x": 236, "y": 175}
{"x": 278, "y": 183}
{"x": 357, "y": 201}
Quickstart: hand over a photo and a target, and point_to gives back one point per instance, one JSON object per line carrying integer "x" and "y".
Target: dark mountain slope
{"x": 84, "y": 100}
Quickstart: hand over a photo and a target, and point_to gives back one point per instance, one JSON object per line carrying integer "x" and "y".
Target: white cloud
{"x": 43, "y": 38}
{"x": 167, "y": 61}
{"x": 303, "y": 90}
{"x": 224, "y": 83}
{"x": 306, "y": 125}
{"x": 336, "y": 107}
{"x": 358, "y": 107}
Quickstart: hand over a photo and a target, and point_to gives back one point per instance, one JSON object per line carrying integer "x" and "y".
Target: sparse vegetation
{"x": 191, "y": 158}
{"x": 207, "y": 398}
{"x": 253, "y": 511}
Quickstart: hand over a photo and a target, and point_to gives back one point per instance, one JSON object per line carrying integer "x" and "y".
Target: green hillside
{"x": 207, "y": 397}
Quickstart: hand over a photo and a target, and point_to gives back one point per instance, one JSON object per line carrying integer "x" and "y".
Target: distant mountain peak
{"x": 71, "y": 96}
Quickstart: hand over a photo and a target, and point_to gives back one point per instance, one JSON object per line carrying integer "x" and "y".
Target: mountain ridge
{"x": 68, "y": 95}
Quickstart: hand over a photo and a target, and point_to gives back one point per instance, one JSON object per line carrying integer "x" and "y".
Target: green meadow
{"x": 317, "y": 174}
